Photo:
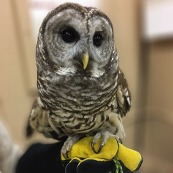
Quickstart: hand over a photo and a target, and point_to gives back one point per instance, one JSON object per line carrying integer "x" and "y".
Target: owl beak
{"x": 85, "y": 60}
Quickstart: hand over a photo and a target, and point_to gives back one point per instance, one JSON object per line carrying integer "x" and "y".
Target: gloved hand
{"x": 114, "y": 157}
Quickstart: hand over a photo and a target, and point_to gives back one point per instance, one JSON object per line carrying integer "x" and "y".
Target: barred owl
{"x": 81, "y": 89}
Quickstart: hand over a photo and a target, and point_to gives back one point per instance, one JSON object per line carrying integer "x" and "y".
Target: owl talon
{"x": 92, "y": 146}
{"x": 104, "y": 136}
{"x": 64, "y": 152}
{"x": 65, "y": 155}
{"x": 100, "y": 148}
{"x": 68, "y": 145}
{"x": 94, "y": 141}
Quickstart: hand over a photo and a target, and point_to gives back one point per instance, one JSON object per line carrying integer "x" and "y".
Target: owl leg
{"x": 68, "y": 144}
{"x": 115, "y": 130}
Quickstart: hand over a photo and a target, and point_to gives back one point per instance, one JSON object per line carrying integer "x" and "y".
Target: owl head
{"x": 76, "y": 40}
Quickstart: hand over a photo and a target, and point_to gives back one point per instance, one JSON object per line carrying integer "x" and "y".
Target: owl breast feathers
{"x": 81, "y": 89}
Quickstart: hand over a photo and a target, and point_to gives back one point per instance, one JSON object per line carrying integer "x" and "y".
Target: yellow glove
{"x": 113, "y": 150}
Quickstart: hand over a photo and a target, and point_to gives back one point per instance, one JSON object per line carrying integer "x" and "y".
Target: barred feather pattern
{"x": 79, "y": 107}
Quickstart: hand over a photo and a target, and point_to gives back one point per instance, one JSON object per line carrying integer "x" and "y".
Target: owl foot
{"x": 104, "y": 136}
{"x": 68, "y": 145}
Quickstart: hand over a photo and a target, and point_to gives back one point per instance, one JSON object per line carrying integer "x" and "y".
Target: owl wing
{"x": 38, "y": 120}
{"x": 123, "y": 95}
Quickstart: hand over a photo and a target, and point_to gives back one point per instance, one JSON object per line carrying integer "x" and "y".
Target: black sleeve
{"x": 41, "y": 158}
{"x": 45, "y": 158}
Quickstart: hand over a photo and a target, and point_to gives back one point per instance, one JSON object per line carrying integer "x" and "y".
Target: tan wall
{"x": 16, "y": 66}
{"x": 159, "y": 119}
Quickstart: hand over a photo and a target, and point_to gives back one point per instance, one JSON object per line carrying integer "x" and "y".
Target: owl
{"x": 81, "y": 88}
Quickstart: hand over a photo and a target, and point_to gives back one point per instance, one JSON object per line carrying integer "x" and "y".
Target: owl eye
{"x": 69, "y": 35}
{"x": 97, "y": 39}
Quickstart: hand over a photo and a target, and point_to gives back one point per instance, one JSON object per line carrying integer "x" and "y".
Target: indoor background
{"x": 144, "y": 39}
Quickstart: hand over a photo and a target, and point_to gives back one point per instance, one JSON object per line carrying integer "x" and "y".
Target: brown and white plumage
{"x": 81, "y": 89}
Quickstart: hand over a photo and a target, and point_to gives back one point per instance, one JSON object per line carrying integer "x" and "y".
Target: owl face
{"x": 77, "y": 39}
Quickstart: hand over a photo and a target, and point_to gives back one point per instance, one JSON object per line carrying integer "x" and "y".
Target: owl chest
{"x": 79, "y": 109}
{"x": 71, "y": 123}
{"x": 69, "y": 96}
{"x": 83, "y": 121}
{"x": 85, "y": 98}
{"x": 77, "y": 101}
